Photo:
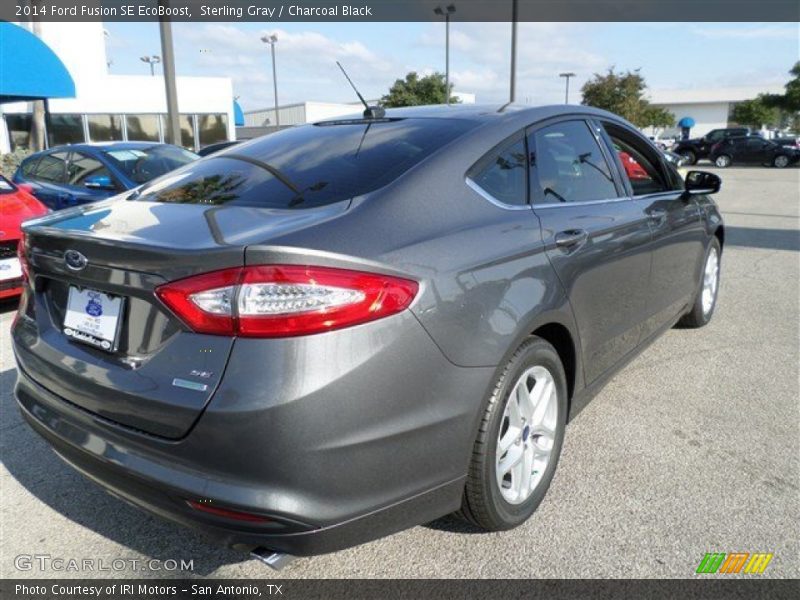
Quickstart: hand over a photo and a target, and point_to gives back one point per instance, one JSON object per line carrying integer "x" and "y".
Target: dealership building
{"x": 311, "y": 112}
{"x": 702, "y": 110}
{"x": 109, "y": 107}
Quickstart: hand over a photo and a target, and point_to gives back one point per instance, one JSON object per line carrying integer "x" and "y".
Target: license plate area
{"x": 93, "y": 317}
{"x": 10, "y": 269}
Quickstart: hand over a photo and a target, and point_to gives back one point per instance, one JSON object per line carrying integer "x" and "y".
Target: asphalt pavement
{"x": 692, "y": 448}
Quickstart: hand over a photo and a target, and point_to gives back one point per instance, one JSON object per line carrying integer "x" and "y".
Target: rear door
{"x": 597, "y": 238}
{"x": 675, "y": 220}
{"x": 755, "y": 151}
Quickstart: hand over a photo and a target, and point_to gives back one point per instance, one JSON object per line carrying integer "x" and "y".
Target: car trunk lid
{"x": 160, "y": 376}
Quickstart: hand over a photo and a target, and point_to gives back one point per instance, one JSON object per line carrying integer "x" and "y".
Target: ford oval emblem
{"x": 75, "y": 260}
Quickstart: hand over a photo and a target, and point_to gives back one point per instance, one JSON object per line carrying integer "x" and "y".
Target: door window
{"x": 641, "y": 164}
{"x": 503, "y": 174}
{"x": 568, "y": 165}
{"x": 52, "y": 168}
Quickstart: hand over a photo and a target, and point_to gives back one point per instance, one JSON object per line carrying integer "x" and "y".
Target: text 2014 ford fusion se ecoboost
{"x": 348, "y": 328}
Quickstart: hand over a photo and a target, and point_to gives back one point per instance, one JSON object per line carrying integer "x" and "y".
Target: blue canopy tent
{"x": 30, "y": 70}
{"x": 238, "y": 115}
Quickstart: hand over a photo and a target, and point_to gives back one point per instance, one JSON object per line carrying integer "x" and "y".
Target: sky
{"x": 670, "y": 56}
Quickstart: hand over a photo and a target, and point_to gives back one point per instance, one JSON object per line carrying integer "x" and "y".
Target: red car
{"x": 17, "y": 204}
{"x": 632, "y": 168}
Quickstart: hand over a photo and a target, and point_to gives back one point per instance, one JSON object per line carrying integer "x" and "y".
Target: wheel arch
{"x": 559, "y": 336}
{"x": 719, "y": 233}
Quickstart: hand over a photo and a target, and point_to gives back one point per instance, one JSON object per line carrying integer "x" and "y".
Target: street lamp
{"x": 446, "y": 12}
{"x": 512, "y": 92}
{"x": 566, "y": 93}
{"x": 152, "y": 61}
{"x": 271, "y": 40}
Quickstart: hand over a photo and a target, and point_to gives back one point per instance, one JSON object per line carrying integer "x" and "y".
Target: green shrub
{"x": 9, "y": 162}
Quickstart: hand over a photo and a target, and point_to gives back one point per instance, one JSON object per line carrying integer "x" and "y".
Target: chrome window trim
{"x": 584, "y": 203}
{"x": 486, "y": 195}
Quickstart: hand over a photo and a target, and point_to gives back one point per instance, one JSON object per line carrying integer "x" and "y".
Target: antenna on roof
{"x": 370, "y": 112}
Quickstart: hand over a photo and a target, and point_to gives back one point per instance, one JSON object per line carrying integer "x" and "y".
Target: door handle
{"x": 571, "y": 238}
{"x": 657, "y": 215}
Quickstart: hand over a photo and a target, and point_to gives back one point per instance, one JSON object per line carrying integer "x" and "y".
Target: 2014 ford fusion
{"x": 348, "y": 328}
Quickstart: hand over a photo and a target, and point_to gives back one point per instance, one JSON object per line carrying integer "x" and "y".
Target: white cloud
{"x": 481, "y": 56}
{"x": 305, "y": 63}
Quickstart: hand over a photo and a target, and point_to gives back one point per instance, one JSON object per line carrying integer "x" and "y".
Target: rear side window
{"x": 29, "y": 166}
{"x": 308, "y": 166}
{"x": 568, "y": 165}
{"x": 52, "y": 168}
{"x": 503, "y": 174}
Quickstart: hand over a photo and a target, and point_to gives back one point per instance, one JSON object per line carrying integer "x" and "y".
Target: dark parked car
{"x": 791, "y": 141}
{"x": 348, "y": 328}
{"x": 693, "y": 150}
{"x": 76, "y": 174}
{"x": 754, "y": 151}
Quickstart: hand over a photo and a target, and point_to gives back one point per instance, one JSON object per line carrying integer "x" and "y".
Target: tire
{"x": 781, "y": 161}
{"x": 723, "y": 161}
{"x": 486, "y": 502}
{"x": 701, "y": 312}
{"x": 688, "y": 156}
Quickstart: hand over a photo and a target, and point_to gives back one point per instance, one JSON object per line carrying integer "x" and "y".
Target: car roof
{"x": 484, "y": 112}
{"x": 105, "y": 146}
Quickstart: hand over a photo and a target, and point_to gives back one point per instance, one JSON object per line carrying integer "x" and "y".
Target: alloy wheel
{"x": 723, "y": 161}
{"x": 781, "y": 161}
{"x": 527, "y": 434}
{"x": 710, "y": 281}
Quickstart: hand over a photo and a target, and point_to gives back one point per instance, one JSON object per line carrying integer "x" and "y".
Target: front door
{"x": 675, "y": 221}
{"x": 597, "y": 239}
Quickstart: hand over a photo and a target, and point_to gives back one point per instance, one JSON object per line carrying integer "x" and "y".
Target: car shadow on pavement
{"x": 769, "y": 239}
{"x": 31, "y": 462}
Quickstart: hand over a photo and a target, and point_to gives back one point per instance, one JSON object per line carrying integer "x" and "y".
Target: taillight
{"x": 284, "y": 300}
{"x": 23, "y": 259}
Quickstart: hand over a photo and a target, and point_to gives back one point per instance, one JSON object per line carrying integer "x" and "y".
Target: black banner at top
{"x": 401, "y": 10}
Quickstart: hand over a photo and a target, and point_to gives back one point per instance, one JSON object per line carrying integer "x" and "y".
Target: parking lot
{"x": 692, "y": 448}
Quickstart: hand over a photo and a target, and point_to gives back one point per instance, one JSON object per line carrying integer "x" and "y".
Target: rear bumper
{"x": 335, "y": 456}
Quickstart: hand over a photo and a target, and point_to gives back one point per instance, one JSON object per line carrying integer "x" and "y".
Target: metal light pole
{"x": 566, "y": 93}
{"x": 171, "y": 88}
{"x": 513, "y": 88}
{"x": 446, "y": 12}
{"x": 152, "y": 61}
{"x": 271, "y": 40}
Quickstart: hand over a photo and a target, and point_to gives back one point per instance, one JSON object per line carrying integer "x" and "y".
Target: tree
{"x": 658, "y": 117}
{"x": 787, "y": 103}
{"x": 755, "y": 113}
{"x": 414, "y": 91}
{"x": 36, "y": 141}
{"x": 623, "y": 94}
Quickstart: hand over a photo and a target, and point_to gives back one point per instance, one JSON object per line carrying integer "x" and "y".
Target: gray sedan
{"x": 341, "y": 330}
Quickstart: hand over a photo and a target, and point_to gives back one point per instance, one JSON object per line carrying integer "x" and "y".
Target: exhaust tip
{"x": 274, "y": 560}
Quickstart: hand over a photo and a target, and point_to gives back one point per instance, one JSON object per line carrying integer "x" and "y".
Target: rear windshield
{"x": 308, "y": 166}
{"x": 145, "y": 164}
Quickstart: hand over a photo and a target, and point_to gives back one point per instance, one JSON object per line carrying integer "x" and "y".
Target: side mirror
{"x": 100, "y": 182}
{"x": 702, "y": 182}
